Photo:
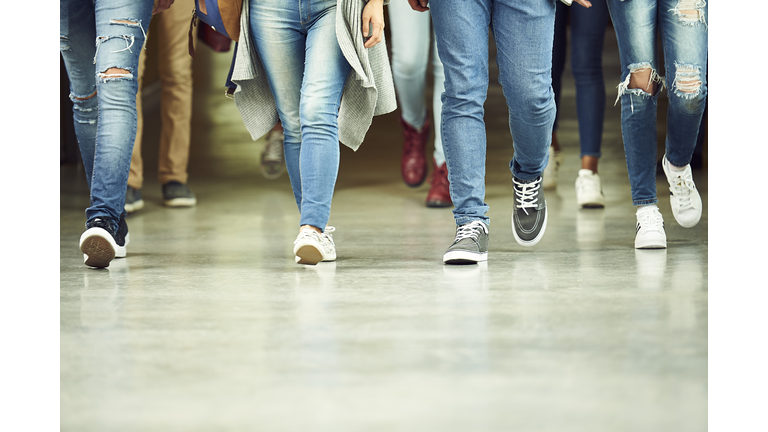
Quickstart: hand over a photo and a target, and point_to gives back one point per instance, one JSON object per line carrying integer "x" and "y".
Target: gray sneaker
{"x": 133, "y": 200}
{"x": 177, "y": 194}
{"x": 529, "y": 217}
{"x": 272, "y": 164}
{"x": 470, "y": 246}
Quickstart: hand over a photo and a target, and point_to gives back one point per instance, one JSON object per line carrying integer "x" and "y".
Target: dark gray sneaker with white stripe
{"x": 470, "y": 246}
{"x": 529, "y": 217}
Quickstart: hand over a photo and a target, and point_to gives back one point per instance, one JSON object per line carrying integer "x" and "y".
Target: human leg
{"x": 307, "y": 73}
{"x": 461, "y": 29}
{"x": 462, "y": 40}
{"x": 410, "y": 55}
{"x": 175, "y": 67}
{"x": 133, "y": 199}
{"x": 562, "y": 13}
{"x": 635, "y": 24}
{"x": 439, "y": 194}
{"x": 281, "y": 48}
{"x": 119, "y": 33}
{"x": 526, "y": 77}
{"x": 684, "y": 32}
{"x": 587, "y": 36}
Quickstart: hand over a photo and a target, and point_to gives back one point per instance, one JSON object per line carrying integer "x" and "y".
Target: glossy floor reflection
{"x": 209, "y": 325}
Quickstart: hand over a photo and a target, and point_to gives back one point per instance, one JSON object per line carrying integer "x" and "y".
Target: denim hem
{"x": 467, "y": 219}
{"x": 645, "y": 202}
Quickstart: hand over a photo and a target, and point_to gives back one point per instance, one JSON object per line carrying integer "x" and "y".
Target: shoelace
{"x": 650, "y": 219}
{"x": 682, "y": 188}
{"x": 589, "y": 182}
{"x": 470, "y": 230}
{"x": 526, "y": 194}
{"x": 274, "y": 147}
{"x": 325, "y": 239}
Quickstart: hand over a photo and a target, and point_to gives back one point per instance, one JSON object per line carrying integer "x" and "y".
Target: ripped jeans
{"x": 100, "y": 42}
{"x": 683, "y": 25}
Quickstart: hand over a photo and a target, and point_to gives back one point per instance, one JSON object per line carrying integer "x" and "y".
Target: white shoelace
{"x": 471, "y": 230}
{"x": 682, "y": 188}
{"x": 325, "y": 239}
{"x": 526, "y": 196}
{"x": 650, "y": 220}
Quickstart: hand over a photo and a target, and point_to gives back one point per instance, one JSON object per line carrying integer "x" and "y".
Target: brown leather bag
{"x": 217, "y": 41}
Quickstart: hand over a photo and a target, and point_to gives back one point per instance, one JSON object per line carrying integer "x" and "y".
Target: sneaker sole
{"x": 535, "y": 239}
{"x": 98, "y": 248}
{"x": 308, "y": 254}
{"x": 137, "y": 205}
{"x": 181, "y": 202}
{"x": 464, "y": 257}
{"x": 592, "y": 204}
{"x": 657, "y": 242}
{"x": 650, "y": 245}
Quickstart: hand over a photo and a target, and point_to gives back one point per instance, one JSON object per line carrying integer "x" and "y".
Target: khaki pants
{"x": 175, "y": 65}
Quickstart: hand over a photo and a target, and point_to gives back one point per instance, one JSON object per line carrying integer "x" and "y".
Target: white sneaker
{"x": 589, "y": 189}
{"x": 685, "y": 199}
{"x": 312, "y": 247}
{"x": 650, "y": 229}
{"x": 553, "y": 166}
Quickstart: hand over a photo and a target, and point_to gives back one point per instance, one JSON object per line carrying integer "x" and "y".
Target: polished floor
{"x": 209, "y": 325}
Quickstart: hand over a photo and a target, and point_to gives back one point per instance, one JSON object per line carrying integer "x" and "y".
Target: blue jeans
{"x": 411, "y": 36}
{"x": 296, "y": 42}
{"x": 587, "y": 36}
{"x": 684, "y": 40}
{"x": 523, "y": 31}
{"x": 97, "y": 36}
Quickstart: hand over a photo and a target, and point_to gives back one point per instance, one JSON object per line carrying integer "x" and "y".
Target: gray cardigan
{"x": 369, "y": 90}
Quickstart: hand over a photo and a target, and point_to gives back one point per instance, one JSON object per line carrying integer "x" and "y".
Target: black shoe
{"x": 470, "y": 246}
{"x": 103, "y": 241}
{"x": 133, "y": 200}
{"x": 177, "y": 194}
{"x": 529, "y": 217}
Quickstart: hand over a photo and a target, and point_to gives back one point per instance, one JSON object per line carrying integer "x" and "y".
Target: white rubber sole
{"x": 181, "y": 202}
{"x": 311, "y": 254}
{"x": 651, "y": 242}
{"x": 137, "y": 205}
{"x": 537, "y": 238}
{"x": 592, "y": 202}
{"x": 464, "y": 257}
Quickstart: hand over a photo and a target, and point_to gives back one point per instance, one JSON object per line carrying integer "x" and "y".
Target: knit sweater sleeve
{"x": 369, "y": 90}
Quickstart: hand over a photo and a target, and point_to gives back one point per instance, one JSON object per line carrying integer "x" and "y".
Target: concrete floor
{"x": 209, "y": 325}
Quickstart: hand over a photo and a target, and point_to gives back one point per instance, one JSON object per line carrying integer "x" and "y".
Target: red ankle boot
{"x": 414, "y": 163}
{"x": 439, "y": 194}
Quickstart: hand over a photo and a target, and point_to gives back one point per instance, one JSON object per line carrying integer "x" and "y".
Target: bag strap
{"x": 192, "y": 25}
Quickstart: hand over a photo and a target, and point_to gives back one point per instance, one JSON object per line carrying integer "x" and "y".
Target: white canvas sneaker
{"x": 650, "y": 229}
{"x": 685, "y": 199}
{"x": 312, "y": 247}
{"x": 589, "y": 189}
